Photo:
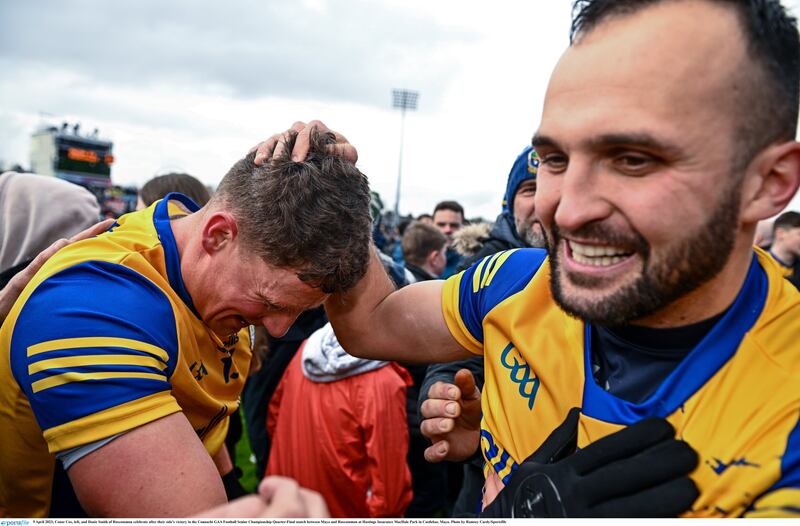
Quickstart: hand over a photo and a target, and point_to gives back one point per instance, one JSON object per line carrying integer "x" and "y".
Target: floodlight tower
{"x": 404, "y": 100}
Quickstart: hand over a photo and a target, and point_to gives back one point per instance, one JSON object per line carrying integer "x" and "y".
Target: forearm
{"x": 374, "y": 321}
{"x": 351, "y": 313}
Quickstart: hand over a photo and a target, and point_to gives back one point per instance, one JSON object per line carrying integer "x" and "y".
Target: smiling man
{"x": 667, "y": 134}
{"x": 125, "y": 354}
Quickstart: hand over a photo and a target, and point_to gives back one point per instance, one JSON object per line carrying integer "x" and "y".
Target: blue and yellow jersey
{"x": 105, "y": 339}
{"x": 735, "y": 398}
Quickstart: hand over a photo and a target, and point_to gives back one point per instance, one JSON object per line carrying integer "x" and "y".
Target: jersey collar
{"x": 779, "y": 260}
{"x": 165, "y": 235}
{"x": 708, "y": 357}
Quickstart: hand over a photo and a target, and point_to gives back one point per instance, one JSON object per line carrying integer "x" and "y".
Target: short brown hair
{"x": 419, "y": 240}
{"x": 312, "y": 216}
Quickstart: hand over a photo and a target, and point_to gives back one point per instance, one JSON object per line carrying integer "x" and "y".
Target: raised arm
{"x": 373, "y": 320}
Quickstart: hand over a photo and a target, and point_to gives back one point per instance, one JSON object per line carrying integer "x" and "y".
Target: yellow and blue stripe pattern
{"x": 96, "y": 350}
{"x": 104, "y": 339}
{"x": 483, "y": 286}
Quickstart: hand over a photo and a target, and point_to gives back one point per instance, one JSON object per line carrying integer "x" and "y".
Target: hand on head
{"x": 275, "y": 146}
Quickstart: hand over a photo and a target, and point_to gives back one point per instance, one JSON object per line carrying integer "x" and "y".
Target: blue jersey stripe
{"x": 492, "y": 280}
{"x": 75, "y": 353}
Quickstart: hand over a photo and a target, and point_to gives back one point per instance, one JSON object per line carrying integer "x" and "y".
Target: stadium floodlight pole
{"x": 405, "y": 100}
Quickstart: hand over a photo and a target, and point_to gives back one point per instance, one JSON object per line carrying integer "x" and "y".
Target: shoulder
{"x": 90, "y": 337}
{"x": 96, "y": 298}
{"x": 502, "y": 274}
{"x": 468, "y": 297}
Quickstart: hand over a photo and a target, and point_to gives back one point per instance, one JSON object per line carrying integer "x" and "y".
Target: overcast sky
{"x": 190, "y": 86}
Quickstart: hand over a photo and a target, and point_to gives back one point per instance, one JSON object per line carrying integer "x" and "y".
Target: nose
{"x": 277, "y": 324}
{"x": 581, "y": 199}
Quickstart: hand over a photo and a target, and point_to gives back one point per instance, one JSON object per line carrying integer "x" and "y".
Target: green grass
{"x": 245, "y": 460}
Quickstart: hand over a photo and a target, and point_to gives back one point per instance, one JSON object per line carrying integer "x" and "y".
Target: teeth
{"x": 597, "y": 256}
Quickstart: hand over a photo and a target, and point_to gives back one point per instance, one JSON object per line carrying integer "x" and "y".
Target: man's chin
{"x": 598, "y": 301}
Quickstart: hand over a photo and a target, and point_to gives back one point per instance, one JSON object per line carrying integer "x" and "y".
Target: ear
{"x": 771, "y": 181}
{"x": 220, "y": 229}
{"x": 431, "y": 257}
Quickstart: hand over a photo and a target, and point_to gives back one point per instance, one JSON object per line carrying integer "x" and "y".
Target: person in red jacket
{"x": 338, "y": 426}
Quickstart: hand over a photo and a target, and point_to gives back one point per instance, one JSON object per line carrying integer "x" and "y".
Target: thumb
{"x": 561, "y": 442}
{"x": 466, "y": 384}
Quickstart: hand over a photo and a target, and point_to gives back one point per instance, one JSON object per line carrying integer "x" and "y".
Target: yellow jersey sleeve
{"x": 93, "y": 348}
{"x": 468, "y": 297}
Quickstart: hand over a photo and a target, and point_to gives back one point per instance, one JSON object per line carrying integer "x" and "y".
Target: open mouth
{"x": 597, "y": 255}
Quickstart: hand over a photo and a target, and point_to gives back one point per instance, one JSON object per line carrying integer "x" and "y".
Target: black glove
{"x": 639, "y": 471}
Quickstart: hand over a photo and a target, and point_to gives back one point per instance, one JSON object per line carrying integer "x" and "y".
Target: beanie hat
{"x": 525, "y": 167}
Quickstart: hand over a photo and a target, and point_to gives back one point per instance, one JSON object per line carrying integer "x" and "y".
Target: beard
{"x": 682, "y": 268}
{"x": 531, "y": 233}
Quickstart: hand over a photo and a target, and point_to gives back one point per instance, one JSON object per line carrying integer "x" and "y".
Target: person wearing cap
{"x": 515, "y": 226}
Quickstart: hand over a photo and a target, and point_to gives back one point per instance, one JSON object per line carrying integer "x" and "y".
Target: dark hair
{"x": 158, "y": 187}
{"x": 403, "y": 224}
{"x": 312, "y": 216}
{"x": 787, "y": 220}
{"x": 424, "y": 216}
{"x": 449, "y": 205}
{"x": 773, "y": 45}
{"x": 420, "y": 240}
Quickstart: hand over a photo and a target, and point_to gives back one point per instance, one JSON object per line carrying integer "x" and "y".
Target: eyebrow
{"x": 639, "y": 139}
{"x": 540, "y": 140}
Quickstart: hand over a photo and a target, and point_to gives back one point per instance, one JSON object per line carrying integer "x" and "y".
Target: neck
{"x": 710, "y": 298}
{"x": 429, "y": 270}
{"x": 783, "y": 254}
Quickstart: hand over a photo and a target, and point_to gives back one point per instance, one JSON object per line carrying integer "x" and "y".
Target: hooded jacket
{"x": 502, "y": 236}
{"x": 338, "y": 426}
